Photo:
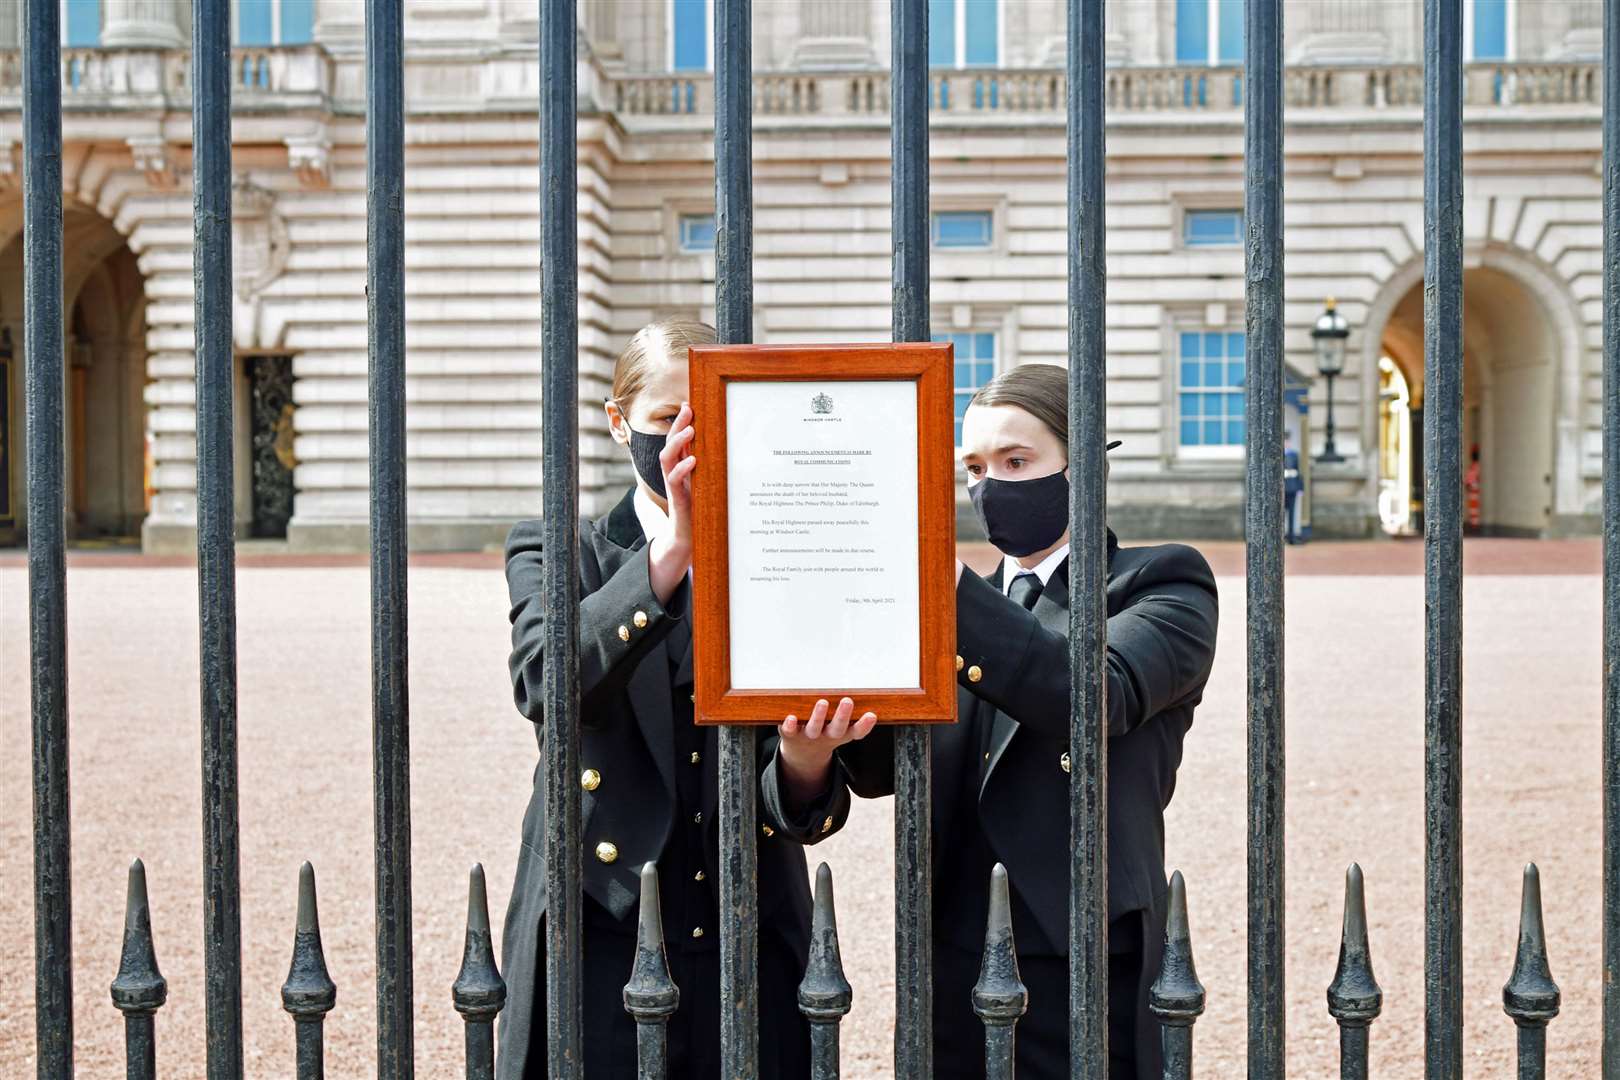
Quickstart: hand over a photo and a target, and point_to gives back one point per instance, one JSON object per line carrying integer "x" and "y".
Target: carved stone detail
{"x": 151, "y": 156}
{"x": 259, "y": 241}
{"x": 310, "y": 156}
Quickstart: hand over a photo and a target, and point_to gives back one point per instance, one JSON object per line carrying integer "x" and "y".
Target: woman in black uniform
{"x": 648, "y": 773}
{"x": 1001, "y": 773}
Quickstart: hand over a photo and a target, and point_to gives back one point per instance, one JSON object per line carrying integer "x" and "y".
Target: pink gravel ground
{"x": 1355, "y": 752}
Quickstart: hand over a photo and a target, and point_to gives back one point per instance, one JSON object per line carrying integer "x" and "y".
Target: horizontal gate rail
{"x": 1354, "y": 997}
{"x": 309, "y": 993}
{"x": 47, "y": 534}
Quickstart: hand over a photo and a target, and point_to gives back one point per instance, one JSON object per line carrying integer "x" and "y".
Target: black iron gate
{"x": 1530, "y": 997}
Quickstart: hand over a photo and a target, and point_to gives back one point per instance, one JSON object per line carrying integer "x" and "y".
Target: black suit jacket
{"x": 1014, "y": 681}
{"x": 627, "y": 737}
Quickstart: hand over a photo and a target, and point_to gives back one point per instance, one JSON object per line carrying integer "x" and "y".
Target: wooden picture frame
{"x": 927, "y": 365}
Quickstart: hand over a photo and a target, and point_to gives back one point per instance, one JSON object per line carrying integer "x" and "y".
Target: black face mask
{"x": 1022, "y": 517}
{"x": 644, "y": 451}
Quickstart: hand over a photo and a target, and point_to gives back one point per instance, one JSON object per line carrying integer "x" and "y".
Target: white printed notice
{"x": 822, "y": 505}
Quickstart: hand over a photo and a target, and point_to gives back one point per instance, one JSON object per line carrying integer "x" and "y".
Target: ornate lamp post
{"x": 1329, "y": 335}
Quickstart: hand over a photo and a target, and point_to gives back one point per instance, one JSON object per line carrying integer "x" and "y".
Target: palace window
{"x": 275, "y": 22}
{"x": 961, "y": 229}
{"x": 1210, "y": 389}
{"x": 697, "y": 232}
{"x": 1209, "y": 31}
{"x": 1211, "y": 228}
{"x": 1488, "y": 29}
{"x": 975, "y": 366}
{"x": 964, "y": 33}
{"x": 691, "y": 29}
{"x": 81, "y": 23}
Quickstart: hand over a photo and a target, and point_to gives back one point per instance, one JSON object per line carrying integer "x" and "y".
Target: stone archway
{"x": 106, "y": 482}
{"x": 1515, "y": 355}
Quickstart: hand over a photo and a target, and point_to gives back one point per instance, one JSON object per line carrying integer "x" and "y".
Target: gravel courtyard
{"x": 1355, "y": 769}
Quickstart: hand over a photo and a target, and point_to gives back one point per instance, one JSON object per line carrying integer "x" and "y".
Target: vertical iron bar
{"x": 308, "y": 994}
{"x": 559, "y": 386}
{"x": 913, "y": 745}
{"x": 734, "y": 324}
{"x": 390, "y": 698}
{"x": 139, "y": 989}
{"x": 1263, "y": 528}
{"x": 1611, "y": 540}
{"x": 1177, "y": 997}
{"x": 1354, "y": 997}
{"x": 479, "y": 992}
{"x": 1442, "y": 518}
{"x": 999, "y": 997}
{"x": 47, "y": 529}
{"x": 1088, "y": 548}
{"x": 824, "y": 995}
{"x": 1531, "y": 996}
{"x": 651, "y": 996}
{"x": 216, "y": 531}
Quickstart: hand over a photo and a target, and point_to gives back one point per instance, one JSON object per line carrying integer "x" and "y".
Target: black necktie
{"x": 1025, "y": 590}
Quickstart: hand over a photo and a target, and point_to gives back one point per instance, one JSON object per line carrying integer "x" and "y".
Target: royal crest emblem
{"x": 821, "y": 404}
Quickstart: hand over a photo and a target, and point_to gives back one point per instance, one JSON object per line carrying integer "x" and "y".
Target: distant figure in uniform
{"x": 648, "y": 773}
{"x": 1471, "y": 486}
{"x": 1001, "y": 773}
{"x": 1293, "y": 484}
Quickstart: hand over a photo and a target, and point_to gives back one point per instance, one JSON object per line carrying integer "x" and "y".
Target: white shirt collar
{"x": 653, "y": 520}
{"x": 1043, "y": 570}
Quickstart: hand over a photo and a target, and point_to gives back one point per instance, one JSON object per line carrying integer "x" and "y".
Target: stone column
{"x": 833, "y": 34}
{"x": 141, "y": 24}
{"x": 1339, "y": 31}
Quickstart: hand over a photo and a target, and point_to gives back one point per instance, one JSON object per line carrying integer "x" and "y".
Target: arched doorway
{"x": 107, "y": 484}
{"x": 1510, "y": 383}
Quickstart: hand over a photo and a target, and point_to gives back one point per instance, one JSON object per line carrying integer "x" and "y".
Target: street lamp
{"x": 1329, "y": 335}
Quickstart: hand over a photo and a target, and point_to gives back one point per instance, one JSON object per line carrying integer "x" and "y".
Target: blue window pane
{"x": 689, "y": 19}
{"x": 1234, "y": 345}
{"x": 1490, "y": 29}
{"x": 1189, "y": 374}
{"x": 1234, "y": 373}
{"x": 942, "y": 33}
{"x": 984, "y": 371}
{"x": 962, "y": 229}
{"x": 1201, "y": 228}
{"x": 979, "y": 32}
{"x": 1189, "y": 347}
{"x": 1234, "y": 432}
{"x": 297, "y": 22}
{"x": 1192, "y": 31}
{"x": 962, "y": 400}
{"x": 984, "y": 346}
{"x": 1231, "y": 31}
{"x": 83, "y": 26}
{"x": 697, "y": 232}
{"x": 1189, "y": 433}
{"x": 253, "y": 25}
{"x": 1192, "y": 405}
{"x": 1212, "y": 346}
{"x": 1212, "y": 432}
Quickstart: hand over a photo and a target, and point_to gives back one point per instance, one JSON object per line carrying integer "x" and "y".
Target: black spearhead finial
{"x": 1531, "y": 996}
{"x": 1354, "y": 996}
{"x": 1177, "y": 997}
{"x": 139, "y": 988}
{"x": 824, "y": 995}
{"x": 308, "y": 993}
{"x": 479, "y": 992}
{"x": 999, "y": 997}
{"x": 650, "y": 996}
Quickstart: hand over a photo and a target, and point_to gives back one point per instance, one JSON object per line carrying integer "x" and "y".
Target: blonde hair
{"x": 656, "y": 342}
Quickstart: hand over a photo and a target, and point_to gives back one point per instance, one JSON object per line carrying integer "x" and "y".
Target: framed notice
{"x": 825, "y": 531}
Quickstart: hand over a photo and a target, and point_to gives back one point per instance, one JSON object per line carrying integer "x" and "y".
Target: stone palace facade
{"x": 1353, "y": 213}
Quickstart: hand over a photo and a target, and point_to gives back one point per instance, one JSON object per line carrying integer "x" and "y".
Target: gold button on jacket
{"x": 640, "y": 619}
{"x": 975, "y": 674}
{"x": 624, "y": 633}
{"x": 590, "y": 779}
{"x": 959, "y": 663}
{"x": 1064, "y": 761}
{"x": 607, "y": 852}
{"x": 767, "y": 830}
{"x": 826, "y": 824}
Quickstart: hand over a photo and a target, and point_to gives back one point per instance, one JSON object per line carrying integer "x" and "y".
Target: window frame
{"x": 276, "y": 29}
{"x": 1185, "y": 217}
{"x": 986, "y": 328}
{"x": 1212, "y": 37}
{"x": 708, "y": 38}
{"x": 681, "y": 218}
{"x": 62, "y": 17}
{"x": 1219, "y": 453}
{"x": 959, "y": 38}
{"x": 1509, "y": 36}
{"x": 989, "y": 214}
